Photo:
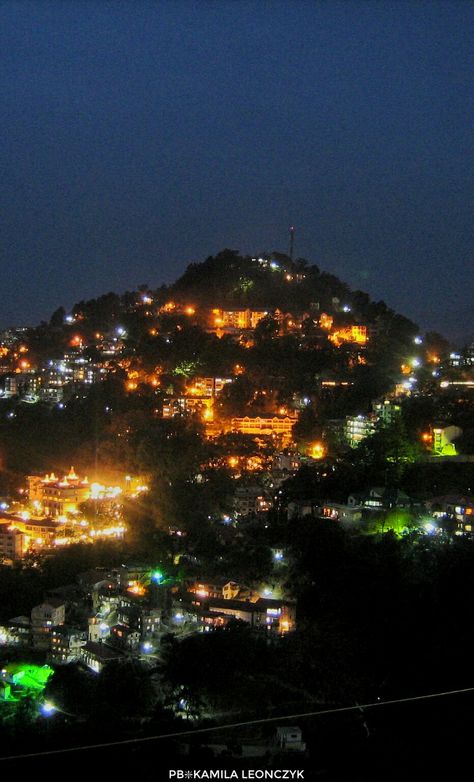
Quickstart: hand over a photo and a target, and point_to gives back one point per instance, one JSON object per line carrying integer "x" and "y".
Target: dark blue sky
{"x": 138, "y": 136}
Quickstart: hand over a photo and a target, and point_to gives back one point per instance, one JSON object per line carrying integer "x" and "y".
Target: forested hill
{"x": 229, "y": 280}
{"x": 273, "y": 281}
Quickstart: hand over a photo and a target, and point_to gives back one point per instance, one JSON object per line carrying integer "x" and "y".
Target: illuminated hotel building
{"x": 58, "y": 497}
{"x": 265, "y": 426}
{"x": 237, "y": 319}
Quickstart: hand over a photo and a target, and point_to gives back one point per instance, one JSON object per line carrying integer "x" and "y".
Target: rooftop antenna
{"x": 292, "y": 240}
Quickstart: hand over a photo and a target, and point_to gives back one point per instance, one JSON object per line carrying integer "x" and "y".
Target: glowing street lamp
{"x": 48, "y": 708}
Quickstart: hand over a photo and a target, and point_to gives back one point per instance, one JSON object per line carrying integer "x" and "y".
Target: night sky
{"x": 139, "y": 136}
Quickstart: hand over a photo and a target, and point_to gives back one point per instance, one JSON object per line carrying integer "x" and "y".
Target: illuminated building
{"x": 456, "y": 506}
{"x": 13, "y": 542}
{"x": 387, "y": 412}
{"x": 337, "y": 511}
{"x": 44, "y": 617}
{"x": 356, "y": 334}
{"x": 21, "y": 384}
{"x": 443, "y": 440}
{"x": 188, "y": 404}
{"x": 207, "y": 386}
{"x": 287, "y": 462}
{"x": 96, "y": 655}
{"x": 66, "y": 644}
{"x": 271, "y": 616}
{"x": 357, "y": 428}
{"x": 49, "y": 614}
{"x": 236, "y": 319}
{"x": 124, "y": 637}
{"x": 58, "y": 497}
{"x": 260, "y": 425}
{"x": 38, "y": 533}
{"x": 250, "y": 499}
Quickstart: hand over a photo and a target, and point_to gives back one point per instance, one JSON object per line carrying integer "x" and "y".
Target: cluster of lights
{"x": 318, "y": 451}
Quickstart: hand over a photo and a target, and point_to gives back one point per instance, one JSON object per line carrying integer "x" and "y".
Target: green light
{"x": 30, "y": 677}
{"x": 157, "y": 576}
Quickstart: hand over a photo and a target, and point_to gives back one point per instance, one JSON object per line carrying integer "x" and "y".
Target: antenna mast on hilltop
{"x": 292, "y": 240}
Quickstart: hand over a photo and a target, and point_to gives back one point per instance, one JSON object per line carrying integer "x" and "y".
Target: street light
{"x": 48, "y": 708}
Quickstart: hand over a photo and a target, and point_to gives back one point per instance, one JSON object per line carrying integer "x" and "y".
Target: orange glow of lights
{"x": 22, "y": 349}
{"x": 208, "y": 415}
{"x": 326, "y": 321}
{"x": 131, "y": 385}
{"x": 233, "y": 461}
{"x": 190, "y": 310}
{"x": 426, "y": 437}
{"x": 136, "y": 589}
{"x": 318, "y": 451}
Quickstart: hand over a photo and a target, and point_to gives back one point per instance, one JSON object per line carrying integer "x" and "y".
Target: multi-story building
{"x": 357, "y": 334}
{"x": 66, "y": 644}
{"x": 22, "y": 384}
{"x": 357, "y": 428}
{"x": 13, "y": 543}
{"x": 71, "y": 369}
{"x": 96, "y": 655}
{"x": 265, "y": 426}
{"x": 180, "y": 405}
{"x": 272, "y": 616}
{"x": 58, "y": 497}
{"x": 443, "y": 440}
{"x": 45, "y": 617}
{"x": 387, "y": 412}
{"x": 236, "y": 320}
{"x": 207, "y": 386}
{"x": 37, "y": 532}
{"x": 250, "y": 499}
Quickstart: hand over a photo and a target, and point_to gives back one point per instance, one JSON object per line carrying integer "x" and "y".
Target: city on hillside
{"x": 232, "y": 496}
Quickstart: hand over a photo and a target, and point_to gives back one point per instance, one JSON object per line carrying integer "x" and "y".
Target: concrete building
{"x": 45, "y": 617}
{"x": 357, "y": 428}
{"x": 265, "y": 426}
{"x": 96, "y": 655}
{"x": 250, "y": 499}
{"x": 236, "y": 320}
{"x": 66, "y": 644}
{"x": 13, "y": 543}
